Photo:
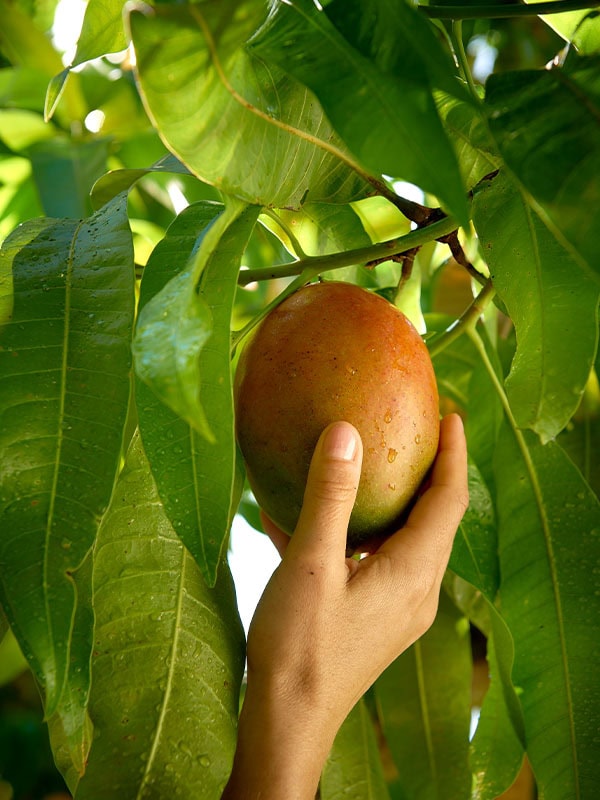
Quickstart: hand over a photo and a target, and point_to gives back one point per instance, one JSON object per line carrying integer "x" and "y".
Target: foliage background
{"x": 134, "y": 182}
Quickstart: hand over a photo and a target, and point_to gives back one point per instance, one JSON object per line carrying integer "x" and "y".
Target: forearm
{"x": 280, "y": 753}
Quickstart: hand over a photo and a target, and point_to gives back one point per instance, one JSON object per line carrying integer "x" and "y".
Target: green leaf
{"x": 168, "y": 657}
{"x": 549, "y": 522}
{"x": 498, "y": 745}
{"x": 115, "y": 181}
{"x": 546, "y": 124}
{"x": 474, "y": 553}
{"x": 64, "y": 390}
{"x": 461, "y": 377}
{"x": 551, "y": 301}
{"x": 196, "y": 475}
{"x": 467, "y": 130}
{"x": 102, "y": 31}
{"x": 353, "y": 767}
{"x": 497, "y": 749}
{"x": 26, "y": 45}
{"x": 424, "y": 701}
{"x": 381, "y": 104}
{"x": 581, "y": 438}
{"x": 54, "y": 92}
{"x": 4, "y": 624}
{"x": 238, "y": 124}
{"x": 20, "y": 129}
{"x": 12, "y": 661}
{"x": 74, "y": 166}
{"x": 400, "y": 41}
{"x": 167, "y": 349}
{"x": 69, "y": 727}
{"x": 322, "y": 228}
{"x": 581, "y": 27}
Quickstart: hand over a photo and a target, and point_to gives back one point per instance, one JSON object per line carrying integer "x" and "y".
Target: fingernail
{"x": 340, "y": 442}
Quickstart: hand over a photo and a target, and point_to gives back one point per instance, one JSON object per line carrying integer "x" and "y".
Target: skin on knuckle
{"x": 428, "y": 612}
{"x": 462, "y": 501}
{"x": 334, "y": 489}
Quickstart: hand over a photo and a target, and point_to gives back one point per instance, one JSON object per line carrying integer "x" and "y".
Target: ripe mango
{"x": 334, "y": 351}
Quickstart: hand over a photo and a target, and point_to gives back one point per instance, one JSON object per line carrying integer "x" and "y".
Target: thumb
{"x": 330, "y": 494}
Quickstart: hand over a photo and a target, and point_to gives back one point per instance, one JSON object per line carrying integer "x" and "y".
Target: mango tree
{"x": 186, "y": 168}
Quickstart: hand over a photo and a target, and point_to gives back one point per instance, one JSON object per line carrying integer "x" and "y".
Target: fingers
{"x": 432, "y": 524}
{"x": 330, "y": 494}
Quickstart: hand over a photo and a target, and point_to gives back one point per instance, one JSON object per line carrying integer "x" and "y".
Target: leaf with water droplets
{"x": 551, "y": 301}
{"x": 168, "y": 656}
{"x": 64, "y": 378}
{"x": 196, "y": 476}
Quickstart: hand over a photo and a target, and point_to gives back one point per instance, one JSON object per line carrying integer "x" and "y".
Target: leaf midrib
{"x": 532, "y": 473}
{"x": 425, "y": 715}
{"x": 56, "y": 471}
{"x": 170, "y": 679}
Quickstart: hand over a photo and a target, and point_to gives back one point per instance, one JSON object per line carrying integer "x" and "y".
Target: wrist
{"x": 282, "y": 747}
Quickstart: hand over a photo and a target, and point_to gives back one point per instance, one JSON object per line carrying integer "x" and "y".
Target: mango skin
{"x": 334, "y": 351}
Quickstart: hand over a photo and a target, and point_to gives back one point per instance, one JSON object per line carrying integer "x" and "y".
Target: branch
{"x": 416, "y": 212}
{"x": 506, "y": 11}
{"x": 459, "y": 256}
{"x": 313, "y": 265}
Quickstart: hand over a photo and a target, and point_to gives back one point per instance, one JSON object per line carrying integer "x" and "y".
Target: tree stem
{"x": 313, "y": 265}
{"x": 237, "y": 336}
{"x": 506, "y": 11}
{"x": 465, "y": 323}
{"x": 461, "y": 56}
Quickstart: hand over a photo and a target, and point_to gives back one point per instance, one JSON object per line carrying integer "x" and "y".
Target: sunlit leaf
{"x": 55, "y": 91}
{"x": 380, "y": 104}
{"x": 65, "y": 366}
{"x": 168, "y": 657}
{"x": 353, "y": 767}
{"x": 551, "y": 301}
{"x": 116, "y": 181}
{"x": 27, "y": 46}
{"x": 218, "y": 107}
{"x": 322, "y": 228}
{"x": 196, "y": 475}
{"x": 102, "y": 31}
{"x": 546, "y": 124}
{"x": 581, "y": 27}
{"x": 424, "y": 701}
{"x": 20, "y": 129}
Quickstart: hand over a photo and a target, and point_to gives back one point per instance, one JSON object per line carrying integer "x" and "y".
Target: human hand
{"x": 327, "y": 626}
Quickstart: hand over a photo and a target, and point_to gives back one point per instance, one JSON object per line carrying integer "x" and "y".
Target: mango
{"x": 334, "y": 351}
